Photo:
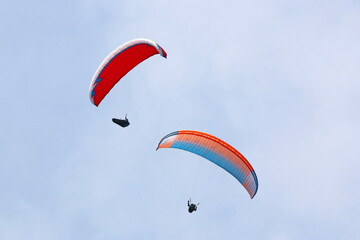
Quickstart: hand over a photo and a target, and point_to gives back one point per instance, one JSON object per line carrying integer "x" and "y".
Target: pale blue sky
{"x": 278, "y": 80}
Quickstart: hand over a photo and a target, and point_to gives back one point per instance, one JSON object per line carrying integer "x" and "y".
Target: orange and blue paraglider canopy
{"x": 216, "y": 151}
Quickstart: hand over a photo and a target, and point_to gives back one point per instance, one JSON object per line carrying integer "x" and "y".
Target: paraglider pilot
{"x": 192, "y": 206}
{"x": 122, "y": 122}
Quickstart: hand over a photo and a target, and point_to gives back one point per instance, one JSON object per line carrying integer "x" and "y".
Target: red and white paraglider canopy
{"x": 118, "y": 63}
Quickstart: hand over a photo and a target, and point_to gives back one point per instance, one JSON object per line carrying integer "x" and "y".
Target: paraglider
{"x": 122, "y": 122}
{"x": 118, "y": 63}
{"x": 216, "y": 151}
{"x": 192, "y": 207}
